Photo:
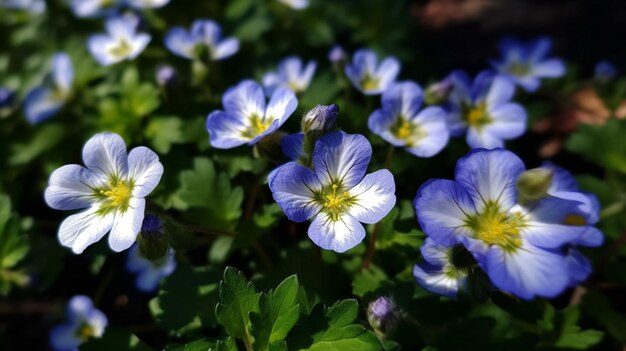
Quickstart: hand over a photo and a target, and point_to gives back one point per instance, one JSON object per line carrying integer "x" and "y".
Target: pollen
{"x": 403, "y": 130}
{"x": 119, "y": 195}
{"x": 336, "y": 200}
{"x": 498, "y": 228}
{"x": 257, "y": 126}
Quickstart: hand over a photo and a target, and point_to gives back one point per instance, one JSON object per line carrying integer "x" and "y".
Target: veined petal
{"x": 225, "y": 48}
{"x": 127, "y": 225}
{"x": 292, "y": 146}
{"x": 226, "y": 131}
{"x": 578, "y": 266}
{"x": 180, "y": 42}
{"x": 374, "y": 197}
{"x": 281, "y": 105}
{"x": 41, "y": 104}
{"x": 293, "y": 187}
{"x": 490, "y": 175}
{"x": 71, "y": 187}
{"x": 501, "y": 91}
{"x": 435, "y": 279}
{"x": 442, "y": 207}
{"x": 341, "y": 158}
{"x": 528, "y": 271}
{"x": 105, "y": 155}
{"x": 245, "y": 101}
{"x": 546, "y": 223}
{"x": 552, "y": 68}
{"x": 85, "y": 228}
{"x": 404, "y": 99}
{"x": 307, "y": 75}
{"x": 483, "y": 139}
{"x": 339, "y": 235}
{"x": 432, "y": 123}
{"x": 64, "y": 337}
{"x": 144, "y": 169}
{"x": 509, "y": 121}
{"x": 62, "y": 71}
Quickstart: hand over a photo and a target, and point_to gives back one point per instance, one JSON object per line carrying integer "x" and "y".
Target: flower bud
{"x": 166, "y": 76}
{"x": 437, "y": 93}
{"x": 320, "y": 120}
{"x": 152, "y": 241}
{"x": 336, "y": 54}
{"x": 533, "y": 184}
{"x": 383, "y": 315}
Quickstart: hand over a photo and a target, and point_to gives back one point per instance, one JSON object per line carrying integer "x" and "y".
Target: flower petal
{"x": 64, "y": 337}
{"x": 501, "y": 90}
{"x": 226, "y": 48}
{"x": 85, "y": 228}
{"x": 403, "y": 99}
{"x": 281, "y": 106}
{"x": 293, "y": 187}
{"x": 105, "y": 155}
{"x": 62, "y": 71}
{"x": 41, "y": 104}
{"x": 226, "y": 131}
{"x": 432, "y": 122}
{"x": 341, "y": 158}
{"x": 180, "y": 42}
{"x": 387, "y": 72}
{"x": 72, "y": 187}
{"x": 546, "y": 225}
{"x": 374, "y": 197}
{"x": 244, "y": 101}
{"x": 553, "y": 68}
{"x": 127, "y": 225}
{"x": 292, "y": 146}
{"x": 380, "y": 122}
{"x": 339, "y": 235}
{"x": 509, "y": 121}
{"x": 435, "y": 279}
{"x": 442, "y": 207}
{"x": 483, "y": 139}
{"x": 78, "y": 308}
{"x": 99, "y": 46}
{"x": 578, "y": 266}
{"x": 145, "y": 170}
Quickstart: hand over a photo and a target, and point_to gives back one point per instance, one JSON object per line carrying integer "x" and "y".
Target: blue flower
{"x": 6, "y": 97}
{"x": 246, "y": 118}
{"x": 121, "y": 42}
{"x": 527, "y": 63}
{"x": 368, "y": 76}
{"x": 149, "y": 273}
{"x": 33, "y": 6}
{"x": 292, "y": 146}
{"x": 604, "y": 71}
{"x": 147, "y": 4}
{"x": 518, "y": 247}
{"x": 483, "y": 109}
{"x": 111, "y": 189}
{"x": 84, "y": 321}
{"x": 401, "y": 122}
{"x": 291, "y": 74}
{"x": 205, "y": 37}
{"x": 336, "y": 193}
{"x": 43, "y": 102}
{"x": 296, "y": 4}
{"x": 437, "y": 273}
{"x": 95, "y": 8}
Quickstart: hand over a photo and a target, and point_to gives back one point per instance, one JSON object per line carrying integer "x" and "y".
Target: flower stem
{"x": 369, "y": 255}
{"x": 389, "y": 157}
{"x": 207, "y": 231}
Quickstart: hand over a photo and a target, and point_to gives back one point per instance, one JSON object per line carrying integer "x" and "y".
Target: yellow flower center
{"x": 295, "y": 87}
{"x": 497, "y": 228}
{"x": 519, "y": 69}
{"x": 477, "y": 116}
{"x": 406, "y": 131}
{"x": 257, "y": 126}
{"x": 122, "y": 49}
{"x": 575, "y": 220}
{"x": 118, "y": 195}
{"x": 369, "y": 83}
{"x": 335, "y": 201}
{"x": 85, "y": 332}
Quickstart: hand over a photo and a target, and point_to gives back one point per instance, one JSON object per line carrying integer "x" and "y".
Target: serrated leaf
{"x": 163, "y": 132}
{"x": 368, "y": 280}
{"x": 238, "y": 298}
{"x": 225, "y": 345}
{"x": 570, "y": 334}
{"x": 278, "y": 313}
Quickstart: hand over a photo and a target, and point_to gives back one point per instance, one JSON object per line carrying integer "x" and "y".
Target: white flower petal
{"x": 144, "y": 169}
{"x": 375, "y": 197}
{"x": 85, "y": 228}
{"x": 127, "y": 225}
{"x": 339, "y": 235}
{"x": 105, "y": 154}
{"x": 71, "y": 187}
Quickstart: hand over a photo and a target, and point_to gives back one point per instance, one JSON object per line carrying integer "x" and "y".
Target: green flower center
{"x": 335, "y": 201}
{"x": 85, "y": 332}
{"x": 406, "y": 131}
{"x": 107, "y": 3}
{"x": 477, "y": 116}
{"x": 495, "y": 227}
{"x": 519, "y": 69}
{"x": 369, "y": 83}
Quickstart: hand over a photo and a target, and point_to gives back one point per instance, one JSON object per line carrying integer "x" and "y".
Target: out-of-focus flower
{"x": 296, "y": 4}
{"x": 84, "y": 322}
{"x": 205, "y": 38}
{"x": 246, "y": 119}
{"x": 291, "y": 74}
{"x": 401, "y": 122}
{"x": 121, "y": 42}
{"x": 368, "y": 76}
{"x": 147, "y": 4}
{"x": 166, "y": 75}
{"x": 6, "y": 97}
{"x": 112, "y": 189}
{"x": 149, "y": 273}
{"x": 438, "y": 92}
{"x": 483, "y": 109}
{"x": 383, "y": 315}
{"x": 604, "y": 71}
{"x": 437, "y": 273}
{"x": 518, "y": 246}
{"x": 526, "y": 63}
{"x": 33, "y": 6}
{"x": 336, "y": 54}
{"x": 45, "y": 101}
{"x": 95, "y": 8}
{"x": 336, "y": 193}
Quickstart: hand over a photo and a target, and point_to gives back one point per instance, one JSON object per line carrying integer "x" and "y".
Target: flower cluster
{"x": 527, "y": 247}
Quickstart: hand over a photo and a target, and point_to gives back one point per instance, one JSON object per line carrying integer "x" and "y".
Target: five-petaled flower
{"x": 336, "y": 193}
{"x": 204, "y": 40}
{"x": 111, "y": 189}
{"x": 45, "y": 101}
{"x": 520, "y": 247}
{"x": 246, "y": 118}
{"x": 84, "y": 322}
{"x": 483, "y": 109}
{"x": 121, "y": 42}
{"x": 370, "y": 77}
{"x": 401, "y": 123}
{"x": 291, "y": 74}
{"x": 527, "y": 63}
{"x": 149, "y": 272}
{"x": 437, "y": 273}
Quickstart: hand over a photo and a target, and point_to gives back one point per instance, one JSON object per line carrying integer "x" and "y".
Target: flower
{"x": 401, "y": 123}
{"x": 121, "y": 42}
{"x": 45, "y": 101}
{"x": 437, "y": 273}
{"x": 84, "y": 322}
{"x": 484, "y": 110}
{"x": 6, "y": 97}
{"x": 33, "y": 6}
{"x": 291, "y": 74}
{"x": 604, "y": 71}
{"x": 95, "y": 8}
{"x": 296, "y": 4}
{"x": 293, "y": 146}
{"x": 526, "y": 63}
{"x": 205, "y": 38}
{"x": 336, "y": 54}
{"x": 147, "y": 4}
{"x": 383, "y": 315}
{"x": 336, "y": 193}
{"x": 111, "y": 189}
{"x": 369, "y": 77}
{"x": 518, "y": 247}
{"x": 246, "y": 118}
{"x": 149, "y": 273}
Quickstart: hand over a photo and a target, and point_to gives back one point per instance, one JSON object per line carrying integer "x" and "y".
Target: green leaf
{"x": 570, "y": 335}
{"x": 604, "y": 145}
{"x": 368, "y": 280}
{"x": 238, "y": 298}
{"x": 115, "y": 339}
{"x": 163, "y": 132}
{"x": 333, "y": 329}
{"x": 278, "y": 313}
{"x": 44, "y": 139}
{"x": 198, "y": 345}
{"x": 225, "y": 345}
{"x": 13, "y": 245}
{"x": 598, "y": 307}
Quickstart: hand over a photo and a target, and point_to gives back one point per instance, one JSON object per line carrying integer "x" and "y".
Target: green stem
{"x": 389, "y": 157}
{"x": 207, "y": 231}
